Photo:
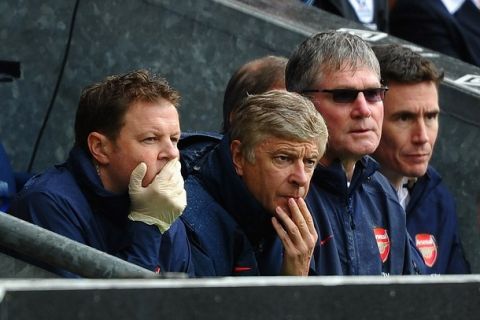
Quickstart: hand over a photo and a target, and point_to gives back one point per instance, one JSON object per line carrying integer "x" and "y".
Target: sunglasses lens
{"x": 374, "y": 95}
{"x": 344, "y": 95}
{"x": 350, "y": 95}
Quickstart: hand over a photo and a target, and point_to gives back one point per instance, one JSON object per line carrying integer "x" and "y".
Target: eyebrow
{"x": 291, "y": 152}
{"x": 413, "y": 115}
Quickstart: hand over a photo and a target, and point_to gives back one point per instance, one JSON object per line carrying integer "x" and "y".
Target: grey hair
{"x": 280, "y": 114}
{"x": 327, "y": 52}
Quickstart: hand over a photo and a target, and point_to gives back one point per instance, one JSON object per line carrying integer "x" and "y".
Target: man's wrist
{"x": 137, "y": 216}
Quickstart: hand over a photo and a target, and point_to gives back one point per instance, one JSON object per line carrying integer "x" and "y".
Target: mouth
{"x": 418, "y": 157}
{"x": 295, "y": 197}
{"x": 360, "y": 130}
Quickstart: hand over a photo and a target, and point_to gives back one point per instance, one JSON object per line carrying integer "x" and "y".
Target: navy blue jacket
{"x": 230, "y": 232}
{"x": 429, "y": 24}
{"x": 432, "y": 223}
{"x": 70, "y": 200}
{"x": 344, "y": 8}
{"x": 366, "y": 222}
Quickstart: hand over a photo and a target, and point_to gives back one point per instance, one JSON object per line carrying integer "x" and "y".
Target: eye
{"x": 174, "y": 140}
{"x": 150, "y": 140}
{"x": 310, "y": 163}
{"x": 404, "y": 117}
{"x": 282, "y": 159}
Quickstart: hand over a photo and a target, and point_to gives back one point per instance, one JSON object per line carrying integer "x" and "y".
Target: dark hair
{"x": 254, "y": 77}
{"x": 403, "y": 65}
{"x": 103, "y": 105}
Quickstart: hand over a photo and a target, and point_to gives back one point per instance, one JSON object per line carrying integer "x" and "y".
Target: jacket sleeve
{"x": 457, "y": 263}
{"x": 51, "y": 213}
{"x": 142, "y": 246}
{"x": 150, "y": 249}
{"x": 175, "y": 250}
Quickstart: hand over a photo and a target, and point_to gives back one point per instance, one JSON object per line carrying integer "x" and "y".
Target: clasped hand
{"x": 298, "y": 235}
{"x": 162, "y": 201}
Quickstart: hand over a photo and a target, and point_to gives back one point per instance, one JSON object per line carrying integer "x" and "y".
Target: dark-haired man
{"x": 121, "y": 189}
{"x": 410, "y": 129}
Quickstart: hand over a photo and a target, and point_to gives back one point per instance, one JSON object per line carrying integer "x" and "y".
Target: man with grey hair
{"x": 340, "y": 74}
{"x": 246, "y": 214}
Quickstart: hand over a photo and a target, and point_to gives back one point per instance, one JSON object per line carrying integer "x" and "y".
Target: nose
{"x": 361, "y": 108}
{"x": 298, "y": 176}
{"x": 420, "y": 135}
{"x": 168, "y": 151}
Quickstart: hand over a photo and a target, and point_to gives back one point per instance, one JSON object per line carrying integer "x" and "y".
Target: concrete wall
{"x": 196, "y": 45}
{"x": 261, "y": 298}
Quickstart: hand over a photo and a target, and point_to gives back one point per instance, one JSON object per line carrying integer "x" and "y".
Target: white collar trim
{"x": 453, "y": 5}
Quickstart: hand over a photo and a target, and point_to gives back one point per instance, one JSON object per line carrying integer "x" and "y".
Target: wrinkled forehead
{"x": 358, "y": 78}
{"x": 350, "y": 66}
{"x": 290, "y": 141}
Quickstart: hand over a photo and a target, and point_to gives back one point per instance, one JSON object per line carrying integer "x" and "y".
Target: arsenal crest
{"x": 427, "y": 245}
{"x": 383, "y": 242}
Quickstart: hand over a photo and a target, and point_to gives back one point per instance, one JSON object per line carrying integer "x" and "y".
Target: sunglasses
{"x": 350, "y": 95}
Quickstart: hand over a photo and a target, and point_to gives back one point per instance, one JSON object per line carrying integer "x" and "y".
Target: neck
{"x": 348, "y": 164}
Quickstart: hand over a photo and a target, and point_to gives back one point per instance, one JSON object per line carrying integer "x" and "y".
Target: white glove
{"x": 162, "y": 201}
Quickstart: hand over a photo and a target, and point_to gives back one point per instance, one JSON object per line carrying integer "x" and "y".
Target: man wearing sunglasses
{"x": 366, "y": 227}
{"x": 409, "y": 132}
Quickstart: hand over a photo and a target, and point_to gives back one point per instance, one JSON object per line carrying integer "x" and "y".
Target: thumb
{"x": 137, "y": 176}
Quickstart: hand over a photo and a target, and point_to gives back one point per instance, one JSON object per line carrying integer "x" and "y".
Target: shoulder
{"x": 380, "y": 191}
{"x": 217, "y": 240}
{"x": 52, "y": 193}
{"x": 436, "y": 184}
{"x": 436, "y": 194}
{"x": 194, "y": 146}
{"x": 203, "y": 212}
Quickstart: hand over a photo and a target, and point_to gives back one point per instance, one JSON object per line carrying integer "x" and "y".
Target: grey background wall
{"x": 196, "y": 45}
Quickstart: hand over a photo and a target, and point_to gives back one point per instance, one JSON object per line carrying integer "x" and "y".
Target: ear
{"x": 100, "y": 147}
{"x": 237, "y": 157}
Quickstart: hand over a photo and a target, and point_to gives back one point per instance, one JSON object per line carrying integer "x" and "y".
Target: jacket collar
{"x": 229, "y": 190}
{"x": 423, "y": 185}
{"x": 334, "y": 178}
{"x": 115, "y": 207}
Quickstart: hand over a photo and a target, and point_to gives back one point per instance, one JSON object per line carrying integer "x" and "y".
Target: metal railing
{"x": 60, "y": 252}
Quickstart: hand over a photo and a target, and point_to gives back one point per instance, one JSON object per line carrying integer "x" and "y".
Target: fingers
{"x": 169, "y": 170}
{"x": 287, "y": 231}
{"x": 300, "y": 225}
{"x": 307, "y": 217}
{"x": 297, "y": 232}
{"x": 282, "y": 233}
{"x": 297, "y": 247}
{"x": 137, "y": 175}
